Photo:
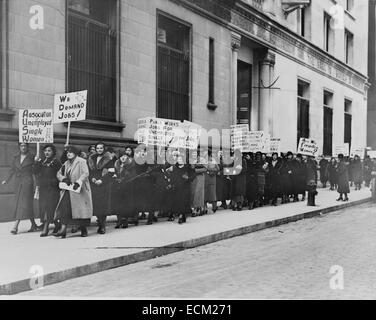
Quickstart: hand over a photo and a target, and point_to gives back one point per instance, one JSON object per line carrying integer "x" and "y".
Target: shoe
{"x": 215, "y": 210}
{"x": 149, "y": 222}
{"x": 118, "y": 225}
{"x": 102, "y": 230}
{"x": 14, "y": 231}
{"x": 172, "y": 218}
{"x": 83, "y": 232}
{"x": 74, "y": 230}
{"x": 124, "y": 224}
{"x": 34, "y": 229}
{"x": 346, "y": 199}
{"x": 339, "y": 199}
{"x": 62, "y": 234}
{"x": 56, "y": 229}
{"x": 181, "y": 219}
{"x": 44, "y": 234}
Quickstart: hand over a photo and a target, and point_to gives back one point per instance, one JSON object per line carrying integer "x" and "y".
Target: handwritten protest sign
{"x": 371, "y": 154}
{"x": 341, "y": 149}
{"x": 308, "y": 147}
{"x": 168, "y": 133}
{"x": 357, "y": 151}
{"x": 255, "y": 141}
{"x": 275, "y": 145}
{"x": 69, "y": 107}
{"x": 239, "y": 137}
{"x": 35, "y": 126}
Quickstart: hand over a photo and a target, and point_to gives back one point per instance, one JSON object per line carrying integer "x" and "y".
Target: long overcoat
{"x": 24, "y": 187}
{"x": 101, "y": 194}
{"x": 357, "y": 170}
{"x": 122, "y": 191}
{"x": 49, "y": 192}
{"x": 81, "y": 203}
{"x": 275, "y": 178}
{"x": 343, "y": 177}
{"x": 210, "y": 182}
{"x": 198, "y": 186}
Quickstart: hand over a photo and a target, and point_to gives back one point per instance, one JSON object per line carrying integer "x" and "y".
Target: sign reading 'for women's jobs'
{"x": 69, "y": 107}
{"x": 308, "y": 147}
{"x": 35, "y": 126}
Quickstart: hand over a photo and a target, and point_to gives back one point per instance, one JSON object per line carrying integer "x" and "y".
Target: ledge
{"x": 98, "y": 125}
{"x": 6, "y": 115}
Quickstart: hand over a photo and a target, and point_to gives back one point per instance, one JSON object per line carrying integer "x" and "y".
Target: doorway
{"x": 244, "y": 93}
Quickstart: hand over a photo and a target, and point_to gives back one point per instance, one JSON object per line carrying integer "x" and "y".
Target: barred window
{"x": 92, "y": 43}
{"x": 348, "y": 121}
{"x": 173, "y": 69}
{"x": 328, "y": 123}
{"x": 303, "y": 110}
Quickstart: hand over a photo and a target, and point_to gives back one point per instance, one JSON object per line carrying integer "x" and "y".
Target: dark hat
{"x": 73, "y": 149}
{"x": 340, "y": 156}
{"x": 299, "y": 155}
{"x": 289, "y": 154}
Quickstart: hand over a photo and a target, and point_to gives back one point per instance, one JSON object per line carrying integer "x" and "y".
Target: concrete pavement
{"x": 63, "y": 259}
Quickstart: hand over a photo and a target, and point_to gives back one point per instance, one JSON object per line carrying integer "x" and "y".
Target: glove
{"x": 76, "y": 186}
{"x": 67, "y": 181}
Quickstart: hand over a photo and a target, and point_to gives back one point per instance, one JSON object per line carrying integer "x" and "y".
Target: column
{"x": 266, "y": 95}
{"x": 235, "y": 46}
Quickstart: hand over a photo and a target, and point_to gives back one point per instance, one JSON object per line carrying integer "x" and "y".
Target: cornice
{"x": 242, "y": 18}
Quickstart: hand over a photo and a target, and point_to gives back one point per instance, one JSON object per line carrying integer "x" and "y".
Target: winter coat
{"x": 181, "y": 178}
{"x": 324, "y": 170}
{"x": 332, "y": 173}
{"x": 251, "y": 181}
{"x": 223, "y": 184}
{"x": 239, "y": 181}
{"x": 275, "y": 178}
{"x": 49, "y": 193}
{"x": 24, "y": 187}
{"x": 210, "y": 182}
{"x": 122, "y": 191}
{"x": 357, "y": 170}
{"x": 286, "y": 177}
{"x": 198, "y": 186}
{"x": 101, "y": 194}
{"x": 343, "y": 177}
{"x": 81, "y": 203}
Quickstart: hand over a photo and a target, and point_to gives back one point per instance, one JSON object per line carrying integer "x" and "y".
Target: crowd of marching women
{"x": 103, "y": 183}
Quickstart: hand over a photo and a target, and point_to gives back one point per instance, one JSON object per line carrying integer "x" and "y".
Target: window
{"x": 328, "y": 33}
{"x": 173, "y": 69}
{"x": 348, "y": 121}
{"x": 328, "y": 123}
{"x": 349, "y": 5}
{"x": 349, "y": 47}
{"x": 211, "y": 71}
{"x": 301, "y": 21}
{"x": 303, "y": 110}
{"x": 92, "y": 45}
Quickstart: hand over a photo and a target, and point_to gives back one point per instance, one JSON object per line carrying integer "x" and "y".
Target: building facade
{"x": 291, "y": 68}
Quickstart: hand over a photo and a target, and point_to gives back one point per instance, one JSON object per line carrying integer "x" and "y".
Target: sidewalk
{"x": 63, "y": 259}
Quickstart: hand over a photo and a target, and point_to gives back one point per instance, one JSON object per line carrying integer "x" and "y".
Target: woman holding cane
{"x": 74, "y": 207}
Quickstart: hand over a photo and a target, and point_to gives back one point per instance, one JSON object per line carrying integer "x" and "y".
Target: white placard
{"x": 308, "y": 147}
{"x": 35, "y": 126}
{"x": 371, "y": 154}
{"x": 239, "y": 137}
{"x": 275, "y": 145}
{"x": 341, "y": 149}
{"x": 64, "y": 186}
{"x": 256, "y": 141}
{"x": 357, "y": 151}
{"x": 69, "y": 107}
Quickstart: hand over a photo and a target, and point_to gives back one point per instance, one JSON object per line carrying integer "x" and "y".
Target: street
{"x": 292, "y": 261}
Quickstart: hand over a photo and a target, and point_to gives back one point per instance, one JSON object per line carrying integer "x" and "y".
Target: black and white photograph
{"x": 178, "y": 150}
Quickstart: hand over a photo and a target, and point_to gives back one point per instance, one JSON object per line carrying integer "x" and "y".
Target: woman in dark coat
{"x": 239, "y": 181}
{"x": 286, "y": 177}
{"x": 357, "y": 170}
{"x": 343, "y": 178}
{"x": 367, "y": 173}
{"x": 181, "y": 177}
{"x": 262, "y": 169}
{"x": 212, "y": 169}
{"x": 22, "y": 171}
{"x": 251, "y": 181}
{"x": 100, "y": 180}
{"x": 332, "y": 174}
{"x": 299, "y": 177}
{"x": 274, "y": 177}
{"x": 223, "y": 181}
{"x": 49, "y": 193}
{"x": 323, "y": 164}
{"x": 122, "y": 193}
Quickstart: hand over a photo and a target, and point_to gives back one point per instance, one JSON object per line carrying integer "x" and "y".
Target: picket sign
{"x": 69, "y": 107}
{"x": 168, "y": 133}
{"x": 308, "y": 147}
{"x": 342, "y": 149}
{"x": 238, "y": 138}
{"x": 371, "y": 154}
{"x": 275, "y": 145}
{"x": 357, "y": 151}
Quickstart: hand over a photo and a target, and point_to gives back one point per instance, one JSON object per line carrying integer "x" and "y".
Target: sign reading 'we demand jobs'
{"x": 69, "y": 107}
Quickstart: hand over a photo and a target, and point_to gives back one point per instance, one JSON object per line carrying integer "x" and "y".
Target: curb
{"x": 80, "y": 271}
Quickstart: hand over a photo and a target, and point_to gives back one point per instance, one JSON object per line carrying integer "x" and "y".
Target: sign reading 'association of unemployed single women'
{"x": 35, "y": 126}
